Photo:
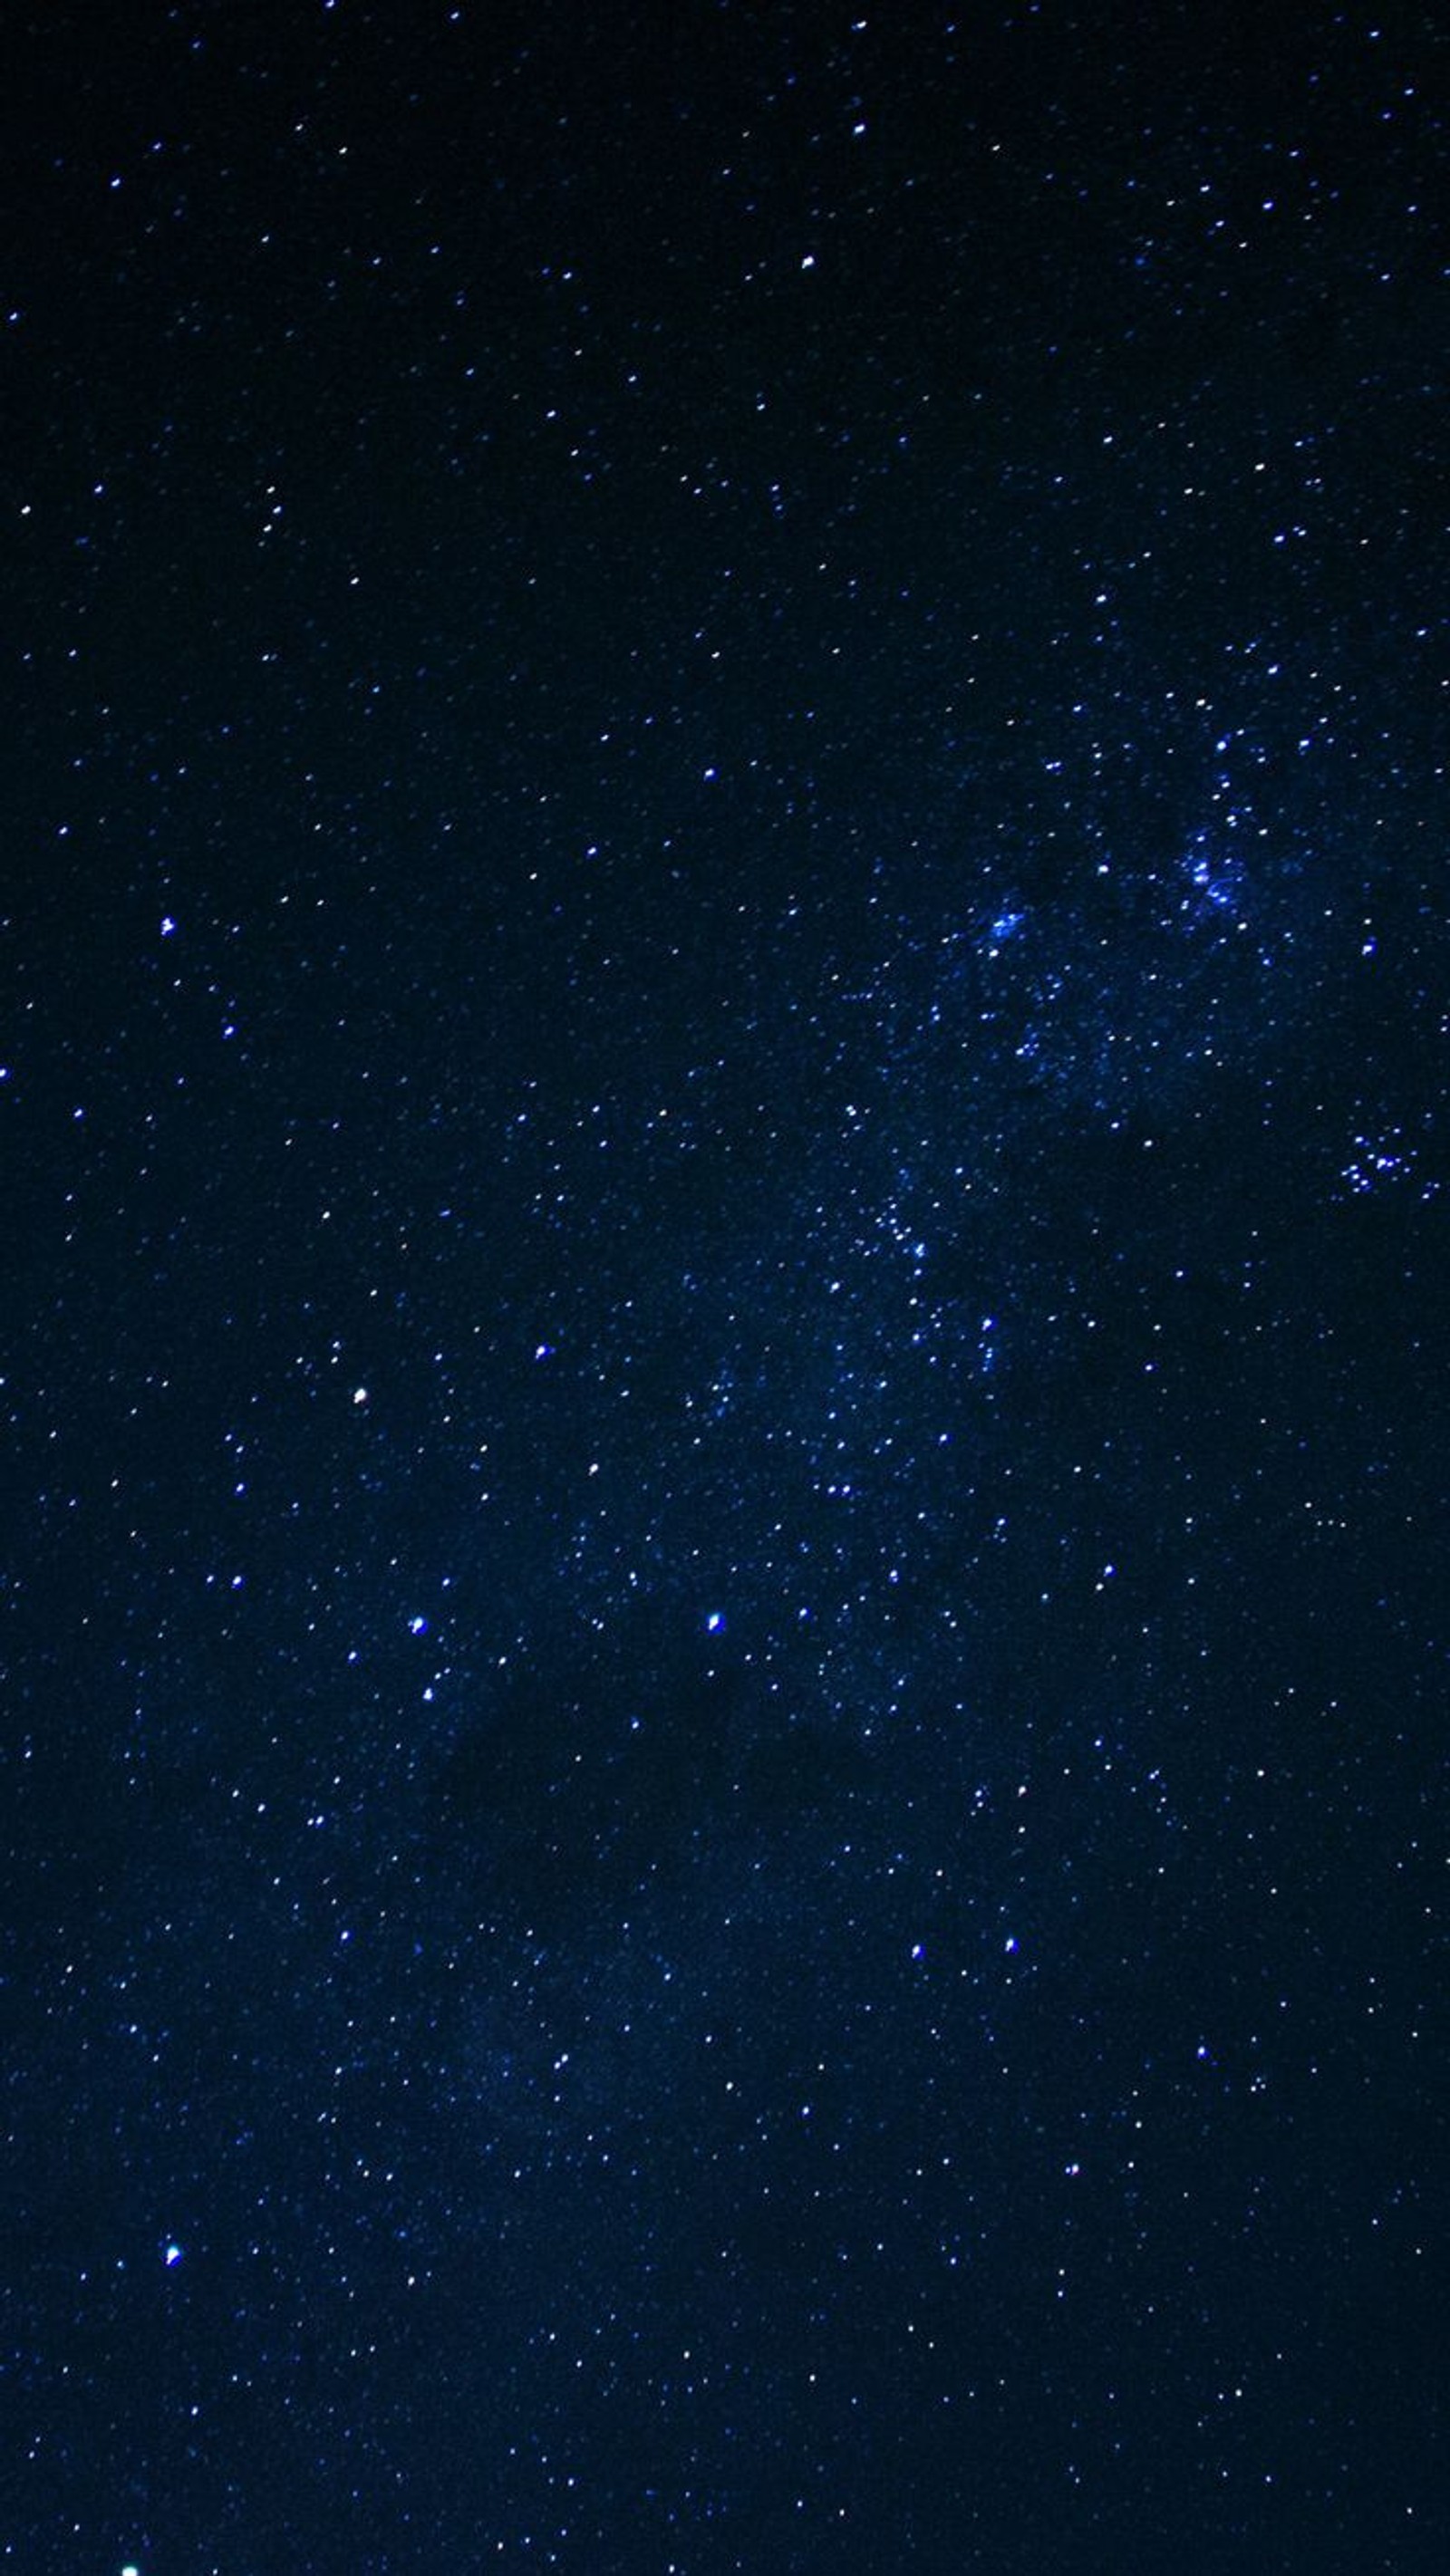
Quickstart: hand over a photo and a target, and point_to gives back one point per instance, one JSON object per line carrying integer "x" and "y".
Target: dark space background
{"x": 722, "y": 1288}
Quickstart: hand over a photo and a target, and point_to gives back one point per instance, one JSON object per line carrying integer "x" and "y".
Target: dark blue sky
{"x": 723, "y": 978}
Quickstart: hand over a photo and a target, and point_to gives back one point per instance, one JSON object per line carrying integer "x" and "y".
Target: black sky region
{"x": 723, "y": 1308}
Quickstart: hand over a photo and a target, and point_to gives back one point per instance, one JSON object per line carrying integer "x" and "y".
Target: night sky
{"x": 724, "y": 963}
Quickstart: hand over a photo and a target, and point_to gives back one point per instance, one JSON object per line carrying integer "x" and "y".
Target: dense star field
{"x": 724, "y": 1314}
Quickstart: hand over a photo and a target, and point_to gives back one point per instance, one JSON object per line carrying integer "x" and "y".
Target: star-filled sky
{"x": 723, "y": 1001}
